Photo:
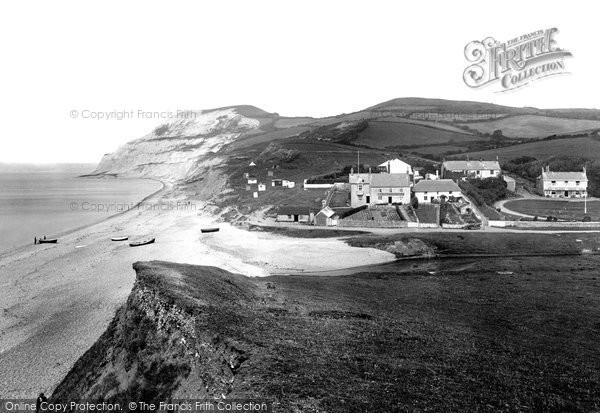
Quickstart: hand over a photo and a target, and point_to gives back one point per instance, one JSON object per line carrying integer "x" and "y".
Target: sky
{"x": 61, "y": 60}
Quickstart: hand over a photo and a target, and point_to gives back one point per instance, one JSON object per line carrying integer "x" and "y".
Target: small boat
{"x": 47, "y": 241}
{"x": 205, "y": 230}
{"x": 119, "y": 238}
{"x": 141, "y": 242}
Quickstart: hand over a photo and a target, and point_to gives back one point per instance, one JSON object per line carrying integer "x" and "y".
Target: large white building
{"x": 427, "y": 191}
{"x": 376, "y": 189}
{"x": 562, "y": 184}
{"x": 471, "y": 169}
{"x": 396, "y": 166}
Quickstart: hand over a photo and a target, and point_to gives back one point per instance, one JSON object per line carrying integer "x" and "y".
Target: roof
{"x": 508, "y": 178}
{"x": 564, "y": 176}
{"x": 438, "y": 185}
{"x": 328, "y": 212}
{"x": 293, "y": 210}
{"x": 470, "y": 165}
{"x": 382, "y": 180}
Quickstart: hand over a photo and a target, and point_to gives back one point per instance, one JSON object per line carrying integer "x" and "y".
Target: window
{"x": 425, "y": 197}
{"x": 553, "y": 182}
{"x": 450, "y": 192}
{"x": 566, "y": 182}
{"x": 360, "y": 188}
{"x": 379, "y": 197}
{"x": 380, "y": 190}
{"x": 577, "y": 182}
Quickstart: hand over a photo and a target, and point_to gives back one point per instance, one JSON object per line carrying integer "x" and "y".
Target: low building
{"x": 562, "y": 184}
{"x": 262, "y": 187}
{"x": 432, "y": 177}
{"x": 295, "y": 214}
{"x": 326, "y": 217}
{"x": 471, "y": 169}
{"x": 377, "y": 189}
{"x": 511, "y": 184}
{"x": 427, "y": 191}
{"x": 252, "y": 180}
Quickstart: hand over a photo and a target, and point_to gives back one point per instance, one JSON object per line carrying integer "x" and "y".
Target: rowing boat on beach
{"x": 205, "y": 230}
{"x": 119, "y": 238}
{"x": 141, "y": 242}
{"x": 48, "y": 241}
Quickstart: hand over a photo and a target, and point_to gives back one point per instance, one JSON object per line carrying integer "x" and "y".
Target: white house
{"x": 262, "y": 187}
{"x": 375, "y": 189}
{"x": 471, "y": 169}
{"x": 252, "y": 180}
{"x": 396, "y": 166}
{"x": 427, "y": 191}
{"x": 562, "y": 184}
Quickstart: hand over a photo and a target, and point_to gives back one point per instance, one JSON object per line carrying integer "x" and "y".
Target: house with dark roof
{"x": 562, "y": 184}
{"x": 427, "y": 191}
{"x": 295, "y": 214}
{"x": 471, "y": 169}
{"x": 379, "y": 188}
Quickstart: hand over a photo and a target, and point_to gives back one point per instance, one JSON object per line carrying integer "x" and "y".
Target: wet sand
{"x": 57, "y": 299}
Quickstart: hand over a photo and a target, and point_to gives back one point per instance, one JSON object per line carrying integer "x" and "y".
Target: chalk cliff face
{"x": 176, "y": 150}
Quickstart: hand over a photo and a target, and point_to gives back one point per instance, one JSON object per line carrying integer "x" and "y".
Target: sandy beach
{"x": 56, "y": 300}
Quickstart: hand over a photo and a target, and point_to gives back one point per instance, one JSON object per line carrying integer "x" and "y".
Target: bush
{"x": 484, "y": 191}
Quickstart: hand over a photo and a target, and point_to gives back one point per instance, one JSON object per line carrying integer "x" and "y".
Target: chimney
{"x": 437, "y": 173}
{"x": 389, "y": 168}
{"x": 351, "y": 171}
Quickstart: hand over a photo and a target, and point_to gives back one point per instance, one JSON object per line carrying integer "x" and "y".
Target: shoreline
{"x": 163, "y": 187}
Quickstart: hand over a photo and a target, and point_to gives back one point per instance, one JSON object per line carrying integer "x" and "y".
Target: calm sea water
{"x": 35, "y": 203}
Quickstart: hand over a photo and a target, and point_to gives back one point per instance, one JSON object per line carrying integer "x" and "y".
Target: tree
{"x": 497, "y": 135}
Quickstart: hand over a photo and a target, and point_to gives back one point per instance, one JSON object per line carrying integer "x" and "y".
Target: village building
{"x": 511, "y": 184}
{"x": 377, "y": 189}
{"x": 252, "y": 180}
{"x": 432, "y": 177}
{"x": 471, "y": 169}
{"x": 396, "y": 166}
{"x": 436, "y": 190}
{"x": 562, "y": 184}
{"x": 326, "y": 217}
{"x": 262, "y": 187}
{"x": 295, "y": 214}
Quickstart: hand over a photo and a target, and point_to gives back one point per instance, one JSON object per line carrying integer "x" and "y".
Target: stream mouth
{"x": 451, "y": 263}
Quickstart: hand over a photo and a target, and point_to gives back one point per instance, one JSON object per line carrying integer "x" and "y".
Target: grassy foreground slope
{"x": 515, "y": 334}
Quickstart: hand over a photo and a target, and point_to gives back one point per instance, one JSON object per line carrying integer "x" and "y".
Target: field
{"x": 436, "y": 150}
{"x": 555, "y": 208}
{"x": 533, "y": 126}
{"x": 575, "y": 147}
{"x": 389, "y": 134}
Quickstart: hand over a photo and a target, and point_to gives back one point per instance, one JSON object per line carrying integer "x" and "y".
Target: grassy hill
{"x": 586, "y": 147}
{"x": 534, "y": 126}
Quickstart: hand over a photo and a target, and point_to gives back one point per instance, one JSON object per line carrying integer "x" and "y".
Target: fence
{"x": 372, "y": 224}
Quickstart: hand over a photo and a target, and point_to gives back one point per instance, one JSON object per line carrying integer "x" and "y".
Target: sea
{"x": 37, "y": 201}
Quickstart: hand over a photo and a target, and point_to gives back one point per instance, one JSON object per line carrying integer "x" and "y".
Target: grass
{"x": 587, "y": 147}
{"x": 562, "y": 209}
{"x": 533, "y": 126}
{"x": 505, "y": 335}
{"x": 389, "y": 134}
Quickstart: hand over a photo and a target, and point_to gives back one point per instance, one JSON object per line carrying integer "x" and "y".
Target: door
{"x": 369, "y": 199}
{"x": 566, "y": 194}
{"x": 295, "y": 218}
{"x": 389, "y": 199}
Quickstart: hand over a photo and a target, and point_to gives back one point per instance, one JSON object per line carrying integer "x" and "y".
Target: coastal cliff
{"x": 179, "y": 149}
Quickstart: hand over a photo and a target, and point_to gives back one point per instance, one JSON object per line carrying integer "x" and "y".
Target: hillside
{"x": 441, "y": 336}
{"x": 585, "y": 147}
{"x": 208, "y": 153}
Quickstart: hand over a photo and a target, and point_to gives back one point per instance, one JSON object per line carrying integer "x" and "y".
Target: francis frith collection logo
{"x": 516, "y": 62}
